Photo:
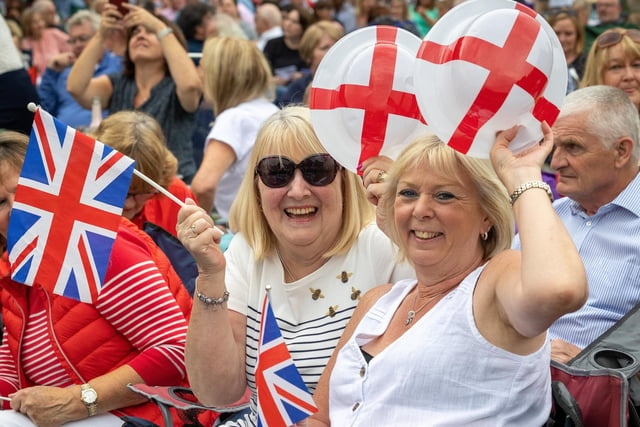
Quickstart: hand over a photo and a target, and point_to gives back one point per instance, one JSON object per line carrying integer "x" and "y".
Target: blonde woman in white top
{"x": 466, "y": 343}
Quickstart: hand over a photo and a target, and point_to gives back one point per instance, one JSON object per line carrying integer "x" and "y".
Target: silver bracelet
{"x": 164, "y": 32}
{"x": 528, "y": 186}
{"x": 212, "y": 301}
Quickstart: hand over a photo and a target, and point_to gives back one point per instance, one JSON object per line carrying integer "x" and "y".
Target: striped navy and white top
{"x": 313, "y": 311}
{"x": 609, "y": 245}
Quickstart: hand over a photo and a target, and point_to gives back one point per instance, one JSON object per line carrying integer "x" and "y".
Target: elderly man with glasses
{"x": 53, "y": 87}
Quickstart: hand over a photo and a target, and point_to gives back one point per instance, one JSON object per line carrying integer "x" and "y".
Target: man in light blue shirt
{"x": 52, "y": 90}
{"x": 596, "y": 158}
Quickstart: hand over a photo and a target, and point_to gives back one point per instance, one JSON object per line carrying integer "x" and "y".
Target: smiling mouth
{"x": 565, "y": 176}
{"x": 425, "y": 235}
{"x": 299, "y": 213}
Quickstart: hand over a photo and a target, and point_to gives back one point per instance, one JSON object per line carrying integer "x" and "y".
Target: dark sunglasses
{"x": 612, "y": 37}
{"x": 278, "y": 171}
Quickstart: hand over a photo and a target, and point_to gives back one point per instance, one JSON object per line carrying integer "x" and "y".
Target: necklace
{"x": 412, "y": 313}
{"x": 286, "y": 269}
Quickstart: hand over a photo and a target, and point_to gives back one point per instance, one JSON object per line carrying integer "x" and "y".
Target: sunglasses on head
{"x": 278, "y": 171}
{"x": 612, "y": 37}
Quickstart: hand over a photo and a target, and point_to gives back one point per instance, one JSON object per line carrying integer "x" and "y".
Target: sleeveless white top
{"x": 441, "y": 372}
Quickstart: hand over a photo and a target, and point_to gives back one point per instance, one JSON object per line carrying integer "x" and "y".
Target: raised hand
{"x": 199, "y": 235}
{"x": 515, "y": 169}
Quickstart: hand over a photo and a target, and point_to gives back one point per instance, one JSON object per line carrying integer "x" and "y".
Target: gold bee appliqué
{"x": 344, "y": 276}
{"x": 332, "y": 311}
{"x": 316, "y": 293}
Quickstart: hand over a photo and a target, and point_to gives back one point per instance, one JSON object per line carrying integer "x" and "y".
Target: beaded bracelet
{"x": 213, "y": 301}
{"x": 528, "y": 186}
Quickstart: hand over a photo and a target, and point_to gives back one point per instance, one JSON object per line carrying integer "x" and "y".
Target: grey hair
{"x": 40, "y": 5}
{"x": 82, "y": 16}
{"x": 271, "y": 13}
{"x": 610, "y": 114}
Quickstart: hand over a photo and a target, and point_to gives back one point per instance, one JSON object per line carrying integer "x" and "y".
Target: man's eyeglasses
{"x": 278, "y": 171}
{"x": 138, "y": 197}
{"x": 612, "y": 37}
{"x": 80, "y": 39}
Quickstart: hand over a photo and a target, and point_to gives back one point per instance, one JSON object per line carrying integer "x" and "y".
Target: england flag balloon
{"x": 486, "y": 66}
{"x": 362, "y": 99}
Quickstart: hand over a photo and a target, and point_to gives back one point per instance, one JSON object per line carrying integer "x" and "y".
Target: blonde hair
{"x": 13, "y": 148}
{"x": 235, "y": 71}
{"x": 313, "y": 34}
{"x": 28, "y": 15}
{"x": 140, "y": 137}
{"x": 228, "y": 27}
{"x": 289, "y": 132}
{"x": 598, "y": 56}
{"x": 15, "y": 29}
{"x": 580, "y": 33}
{"x": 429, "y": 152}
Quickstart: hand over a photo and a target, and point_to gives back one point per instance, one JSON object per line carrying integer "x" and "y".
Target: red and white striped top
{"x": 138, "y": 303}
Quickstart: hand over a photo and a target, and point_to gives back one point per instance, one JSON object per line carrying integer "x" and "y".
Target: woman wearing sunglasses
{"x": 304, "y": 228}
{"x": 614, "y": 60}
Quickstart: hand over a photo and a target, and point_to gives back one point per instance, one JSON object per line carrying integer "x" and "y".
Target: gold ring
{"x": 382, "y": 175}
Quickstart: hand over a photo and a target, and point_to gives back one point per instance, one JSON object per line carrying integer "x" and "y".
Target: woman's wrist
{"x": 210, "y": 282}
{"x": 212, "y": 296}
{"x": 164, "y": 32}
{"x": 519, "y": 177}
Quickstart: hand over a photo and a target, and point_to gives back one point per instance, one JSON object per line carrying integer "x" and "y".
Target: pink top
{"x": 52, "y": 42}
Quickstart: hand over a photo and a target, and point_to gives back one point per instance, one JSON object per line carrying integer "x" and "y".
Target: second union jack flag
{"x": 66, "y": 210}
{"x": 283, "y": 398}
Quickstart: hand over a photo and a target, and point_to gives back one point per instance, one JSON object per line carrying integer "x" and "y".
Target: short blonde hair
{"x": 140, "y": 137}
{"x": 235, "y": 71}
{"x": 429, "y": 152}
{"x": 597, "y": 58}
{"x": 289, "y": 132}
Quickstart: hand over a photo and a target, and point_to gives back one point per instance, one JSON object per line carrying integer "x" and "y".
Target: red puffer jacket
{"x": 86, "y": 344}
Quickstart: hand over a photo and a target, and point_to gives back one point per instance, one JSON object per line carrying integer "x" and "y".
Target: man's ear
{"x": 624, "y": 149}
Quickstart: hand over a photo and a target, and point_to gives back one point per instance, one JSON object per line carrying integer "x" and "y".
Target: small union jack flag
{"x": 283, "y": 398}
{"x": 66, "y": 210}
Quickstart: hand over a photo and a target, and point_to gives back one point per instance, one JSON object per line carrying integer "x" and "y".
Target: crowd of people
{"x": 377, "y": 281}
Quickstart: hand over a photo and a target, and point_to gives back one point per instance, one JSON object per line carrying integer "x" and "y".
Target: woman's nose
{"x": 423, "y": 207}
{"x": 298, "y": 186}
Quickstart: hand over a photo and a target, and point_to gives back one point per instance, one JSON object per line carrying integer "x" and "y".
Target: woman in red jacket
{"x": 67, "y": 363}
